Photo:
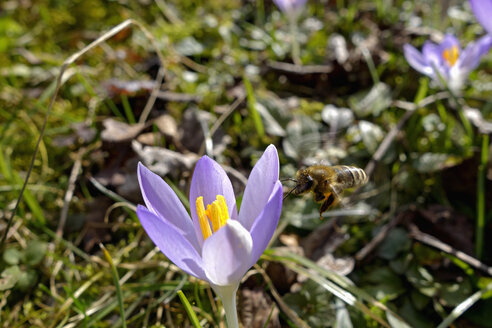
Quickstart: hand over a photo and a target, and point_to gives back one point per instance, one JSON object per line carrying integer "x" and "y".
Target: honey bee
{"x": 327, "y": 183}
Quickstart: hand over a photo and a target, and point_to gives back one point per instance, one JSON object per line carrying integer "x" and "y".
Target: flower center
{"x": 450, "y": 55}
{"x": 216, "y": 213}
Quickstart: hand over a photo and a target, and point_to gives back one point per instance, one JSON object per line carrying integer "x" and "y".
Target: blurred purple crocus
{"x": 483, "y": 12}
{"x": 451, "y": 62}
{"x": 290, "y": 7}
{"x": 216, "y": 244}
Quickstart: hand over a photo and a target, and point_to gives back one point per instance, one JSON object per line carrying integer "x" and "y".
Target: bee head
{"x": 304, "y": 182}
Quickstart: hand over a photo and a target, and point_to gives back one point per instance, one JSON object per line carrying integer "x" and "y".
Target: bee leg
{"x": 330, "y": 200}
{"x": 319, "y": 196}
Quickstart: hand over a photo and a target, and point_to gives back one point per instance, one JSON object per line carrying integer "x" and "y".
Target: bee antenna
{"x": 290, "y": 192}
{"x": 288, "y": 179}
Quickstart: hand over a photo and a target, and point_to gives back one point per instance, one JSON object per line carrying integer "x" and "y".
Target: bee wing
{"x": 337, "y": 191}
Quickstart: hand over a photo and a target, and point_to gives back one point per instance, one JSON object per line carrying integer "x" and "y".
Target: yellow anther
{"x": 224, "y": 209}
{"x": 202, "y": 218}
{"x": 216, "y": 213}
{"x": 451, "y": 55}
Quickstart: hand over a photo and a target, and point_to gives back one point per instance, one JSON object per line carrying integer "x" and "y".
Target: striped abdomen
{"x": 349, "y": 176}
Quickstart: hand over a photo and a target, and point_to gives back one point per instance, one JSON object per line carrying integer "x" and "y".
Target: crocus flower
{"x": 452, "y": 63}
{"x": 483, "y": 12}
{"x": 290, "y": 7}
{"x": 217, "y": 244}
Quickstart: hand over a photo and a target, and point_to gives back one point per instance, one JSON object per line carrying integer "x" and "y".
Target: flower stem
{"x": 295, "y": 48}
{"x": 482, "y": 169}
{"x": 459, "y": 108}
{"x": 228, "y": 296}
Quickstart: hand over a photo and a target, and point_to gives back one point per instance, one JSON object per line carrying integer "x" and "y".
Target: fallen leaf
{"x": 117, "y": 87}
{"x": 163, "y": 161}
{"x": 255, "y": 309}
{"x": 167, "y": 126}
{"x": 116, "y": 131}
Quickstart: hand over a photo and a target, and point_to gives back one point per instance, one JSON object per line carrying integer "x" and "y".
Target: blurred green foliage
{"x": 220, "y": 51}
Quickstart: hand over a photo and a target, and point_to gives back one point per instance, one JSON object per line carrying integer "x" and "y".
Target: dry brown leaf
{"x": 167, "y": 126}
{"x": 255, "y": 306}
{"x": 116, "y": 131}
{"x": 163, "y": 161}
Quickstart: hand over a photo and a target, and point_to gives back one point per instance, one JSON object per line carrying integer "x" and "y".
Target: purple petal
{"x": 210, "y": 180}
{"x": 416, "y": 60}
{"x": 282, "y": 4}
{"x": 261, "y": 182}
{"x": 264, "y": 227}
{"x": 449, "y": 42}
{"x": 484, "y": 44}
{"x": 433, "y": 55}
{"x": 474, "y": 51}
{"x": 172, "y": 243}
{"x": 161, "y": 200}
{"x": 226, "y": 254}
{"x": 289, "y": 5}
{"x": 483, "y": 12}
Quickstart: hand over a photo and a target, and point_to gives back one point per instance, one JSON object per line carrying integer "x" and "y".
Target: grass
{"x": 432, "y": 172}
{"x": 481, "y": 197}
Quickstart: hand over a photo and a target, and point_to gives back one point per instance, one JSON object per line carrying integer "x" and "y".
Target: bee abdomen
{"x": 350, "y": 176}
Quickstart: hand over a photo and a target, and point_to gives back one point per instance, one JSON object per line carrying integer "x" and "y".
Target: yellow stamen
{"x": 451, "y": 55}
{"x": 223, "y": 207}
{"x": 215, "y": 216}
{"x": 217, "y": 213}
{"x": 202, "y": 218}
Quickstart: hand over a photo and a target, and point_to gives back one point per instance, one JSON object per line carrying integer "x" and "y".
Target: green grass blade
{"x": 128, "y": 109}
{"x": 189, "y": 310}
{"x": 422, "y": 91}
{"x": 116, "y": 280}
{"x": 346, "y": 285}
{"x": 336, "y": 290}
{"x": 252, "y": 107}
{"x": 463, "y": 307}
{"x": 179, "y": 193}
{"x": 111, "y": 194}
{"x": 67, "y": 244}
{"x": 370, "y": 64}
{"x": 29, "y": 198}
{"x": 482, "y": 170}
{"x": 31, "y": 201}
{"x": 114, "y": 108}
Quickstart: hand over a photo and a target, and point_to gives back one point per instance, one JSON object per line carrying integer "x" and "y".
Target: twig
{"x": 168, "y": 13}
{"x": 378, "y": 238}
{"x": 282, "y": 305}
{"x": 411, "y": 108}
{"x": 178, "y": 97}
{"x": 235, "y": 173}
{"x": 69, "y": 193}
{"x": 432, "y": 241}
{"x": 221, "y": 120}
{"x": 226, "y": 114}
{"x": 153, "y": 96}
{"x": 424, "y": 102}
{"x": 300, "y": 69}
{"x": 383, "y": 147}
